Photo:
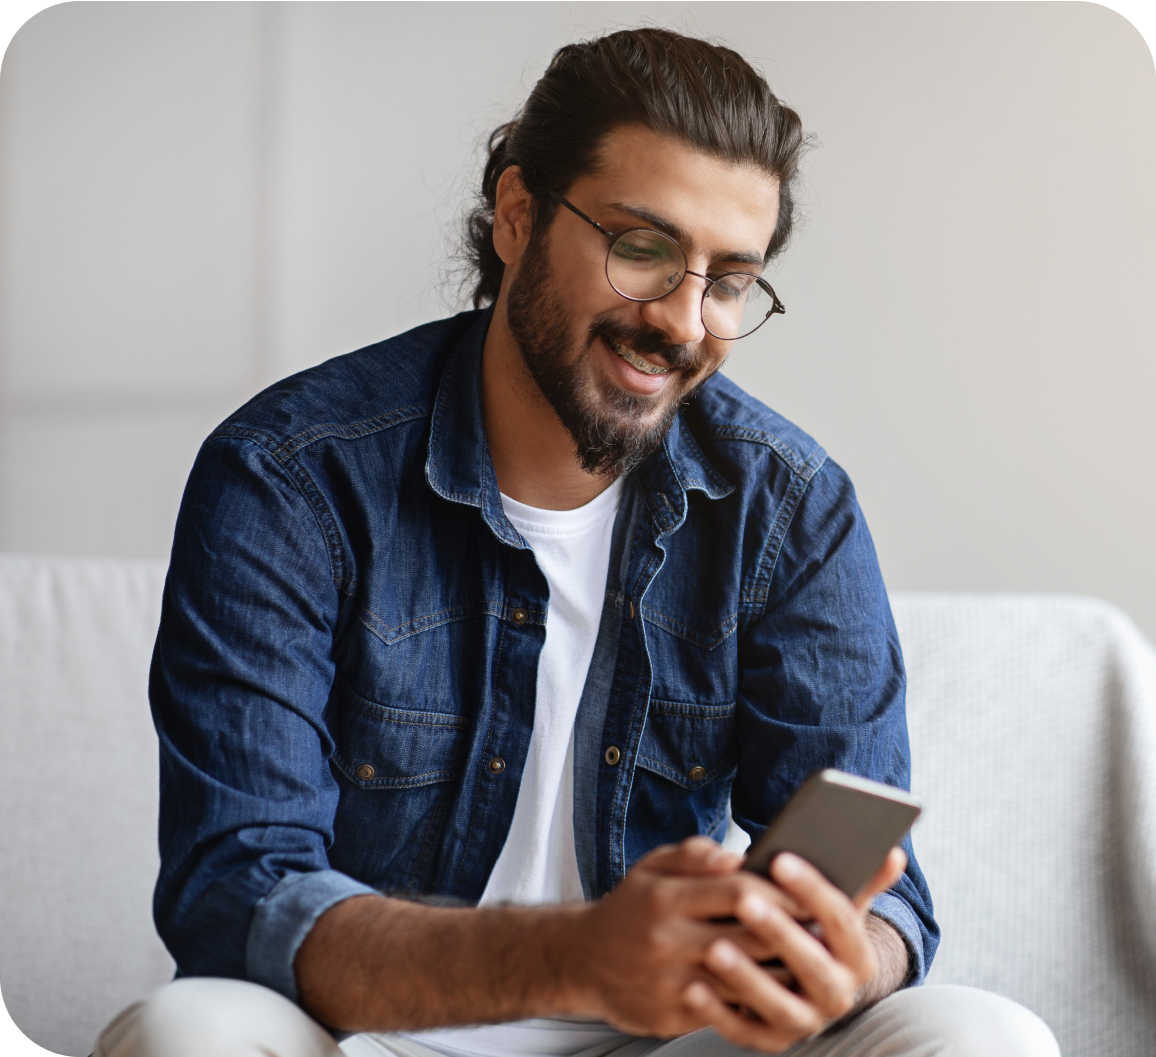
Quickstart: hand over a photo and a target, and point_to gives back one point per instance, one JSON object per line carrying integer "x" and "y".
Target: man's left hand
{"x": 858, "y": 959}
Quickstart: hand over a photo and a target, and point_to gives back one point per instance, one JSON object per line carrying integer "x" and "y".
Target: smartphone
{"x": 842, "y": 824}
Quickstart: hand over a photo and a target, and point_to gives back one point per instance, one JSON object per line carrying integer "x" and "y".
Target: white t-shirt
{"x": 538, "y": 863}
{"x": 572, "y": 548}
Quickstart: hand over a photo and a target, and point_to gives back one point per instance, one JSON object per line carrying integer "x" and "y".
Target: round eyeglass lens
{"x": 644, "y": 264}
{"x": 736, "y": 305}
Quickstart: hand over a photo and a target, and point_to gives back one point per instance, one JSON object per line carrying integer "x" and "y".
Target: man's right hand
{"x": 631, "y": 955}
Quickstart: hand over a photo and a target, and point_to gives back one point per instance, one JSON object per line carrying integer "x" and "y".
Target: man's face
{"x": 578, "y": 336}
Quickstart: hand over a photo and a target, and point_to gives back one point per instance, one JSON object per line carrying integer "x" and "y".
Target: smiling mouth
{"x": 635, "y": 361}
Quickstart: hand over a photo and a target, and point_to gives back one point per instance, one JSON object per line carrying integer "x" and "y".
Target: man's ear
{"x": 513, "y": 216}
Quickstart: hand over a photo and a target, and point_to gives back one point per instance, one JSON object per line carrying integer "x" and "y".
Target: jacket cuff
{"x": 282, "y": 920}
{"x": 901, "y": 917}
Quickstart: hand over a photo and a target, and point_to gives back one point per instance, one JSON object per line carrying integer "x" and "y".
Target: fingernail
{"x": 752, "y": 908}
{"x": 787, "y": 866}
{"x": 721, "y": 956}
{"x": 695, "y": 995}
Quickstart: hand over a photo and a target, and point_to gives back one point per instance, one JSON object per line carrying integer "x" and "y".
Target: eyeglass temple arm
{"x": 578, "y": 212}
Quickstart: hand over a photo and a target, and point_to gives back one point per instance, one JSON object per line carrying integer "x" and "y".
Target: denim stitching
{"x": 472, "y": 832}
{"x": 803, "y": 467}
{"x": 664, "y": 770}
{"x": 692, "y": 709}
{"x": 435, "y": 425}
{"x": 765, "y": 567}
{"x": 304, "y": 485}
{"x": 418, "y": 625}
{"x": 401, "y": 718}
{"x": 353, "y": 431}
{"x": 309, "y": 489}
{"x": 804, "y": 470}
{"x": 717, "y": 481}
{"x": 689, "y": 634}
{"x": 408, "y": 782}
{"x": 642, "y": 688}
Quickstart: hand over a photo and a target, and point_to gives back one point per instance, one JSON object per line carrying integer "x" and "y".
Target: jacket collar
{"x": 459, "y": 468}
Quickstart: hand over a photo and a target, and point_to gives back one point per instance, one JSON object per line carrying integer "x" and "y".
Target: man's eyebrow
{"x": 683, "y": 238}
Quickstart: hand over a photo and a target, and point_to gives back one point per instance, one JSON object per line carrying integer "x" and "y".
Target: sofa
{"x": 1033, "y": 730}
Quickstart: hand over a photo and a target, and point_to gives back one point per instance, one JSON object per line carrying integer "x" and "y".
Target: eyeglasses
{"x": 643, "y": 265}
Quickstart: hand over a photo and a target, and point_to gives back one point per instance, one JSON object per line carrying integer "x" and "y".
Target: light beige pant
{"x": 203, "y": 1017}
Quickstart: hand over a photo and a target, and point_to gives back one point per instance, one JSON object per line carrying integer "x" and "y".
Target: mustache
{"x": 680, "y": 357}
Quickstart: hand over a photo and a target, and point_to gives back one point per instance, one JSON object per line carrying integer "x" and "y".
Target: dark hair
{"x": 706, "y": 95}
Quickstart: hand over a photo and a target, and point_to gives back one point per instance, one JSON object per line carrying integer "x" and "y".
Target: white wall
{"x": 196, "y": 199}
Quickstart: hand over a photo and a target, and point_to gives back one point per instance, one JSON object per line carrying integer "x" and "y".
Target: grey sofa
{"x": 1033, "y": 728}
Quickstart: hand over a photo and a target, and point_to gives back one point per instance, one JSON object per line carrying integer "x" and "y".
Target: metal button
{"x": 612, "y": 755}
{"x": 697, "y": 774}
{"x": 365, "y": 772}
{"x": 497, "y": 765}
{"x": 520, "y": 616}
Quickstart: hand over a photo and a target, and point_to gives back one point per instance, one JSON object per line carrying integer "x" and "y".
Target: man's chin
{"x": 616, "y": 429}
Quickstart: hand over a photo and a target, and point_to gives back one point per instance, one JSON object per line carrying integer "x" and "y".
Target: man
{"x": 470, "y": 637}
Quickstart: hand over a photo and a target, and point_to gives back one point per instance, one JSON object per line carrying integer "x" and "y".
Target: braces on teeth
{"x": 637, "y": 361}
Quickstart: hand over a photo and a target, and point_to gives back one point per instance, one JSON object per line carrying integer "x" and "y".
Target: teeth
{"x": 637, "y": 361}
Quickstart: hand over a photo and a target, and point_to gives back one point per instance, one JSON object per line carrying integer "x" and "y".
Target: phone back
{"x": 842, "y": 824}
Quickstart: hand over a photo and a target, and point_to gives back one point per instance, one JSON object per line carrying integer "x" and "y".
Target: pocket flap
{"x": 688, "y": 744}
{"x": 386, "y": 747}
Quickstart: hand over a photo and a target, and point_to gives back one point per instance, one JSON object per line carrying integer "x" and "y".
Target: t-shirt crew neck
{"x": 538, "y": 521}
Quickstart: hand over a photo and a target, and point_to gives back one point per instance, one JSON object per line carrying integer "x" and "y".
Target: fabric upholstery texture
{"x": 1033, "y": 737}
{"x": 1033, "y": 729}
{"x": 78, "y": 794}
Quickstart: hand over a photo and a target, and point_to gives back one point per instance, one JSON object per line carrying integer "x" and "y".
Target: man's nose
{"x": 679, "y": 314}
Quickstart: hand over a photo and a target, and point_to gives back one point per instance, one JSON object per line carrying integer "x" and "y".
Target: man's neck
{"x": 534, "y": 455}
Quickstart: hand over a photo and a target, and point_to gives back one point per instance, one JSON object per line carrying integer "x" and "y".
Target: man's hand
{"x": 852, "y": 963}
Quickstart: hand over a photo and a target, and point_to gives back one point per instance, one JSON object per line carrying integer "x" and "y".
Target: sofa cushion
{"x": 78, "y": 794}
{"x": 1033, "y": 738}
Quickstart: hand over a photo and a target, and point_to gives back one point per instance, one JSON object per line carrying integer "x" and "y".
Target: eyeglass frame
{"x": 777, "y": 306}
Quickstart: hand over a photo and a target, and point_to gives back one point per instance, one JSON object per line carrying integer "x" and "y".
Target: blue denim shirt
{"x": 351, "y": 629}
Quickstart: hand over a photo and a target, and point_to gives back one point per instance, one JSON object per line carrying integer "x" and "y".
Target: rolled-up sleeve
{"x": 822, "y": 682}
{"x": 239, "y": 684}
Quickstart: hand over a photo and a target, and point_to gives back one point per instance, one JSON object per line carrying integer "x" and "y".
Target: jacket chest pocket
{"x": 688, "y": 744}
{"x": 384, "y": 747}
{"x": 682, "y": 778}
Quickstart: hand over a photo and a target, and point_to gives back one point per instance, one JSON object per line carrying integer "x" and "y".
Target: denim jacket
{"x": 350, "y": 636}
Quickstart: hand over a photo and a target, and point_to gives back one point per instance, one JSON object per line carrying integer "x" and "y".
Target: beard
{"x": 613, "y": 430}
